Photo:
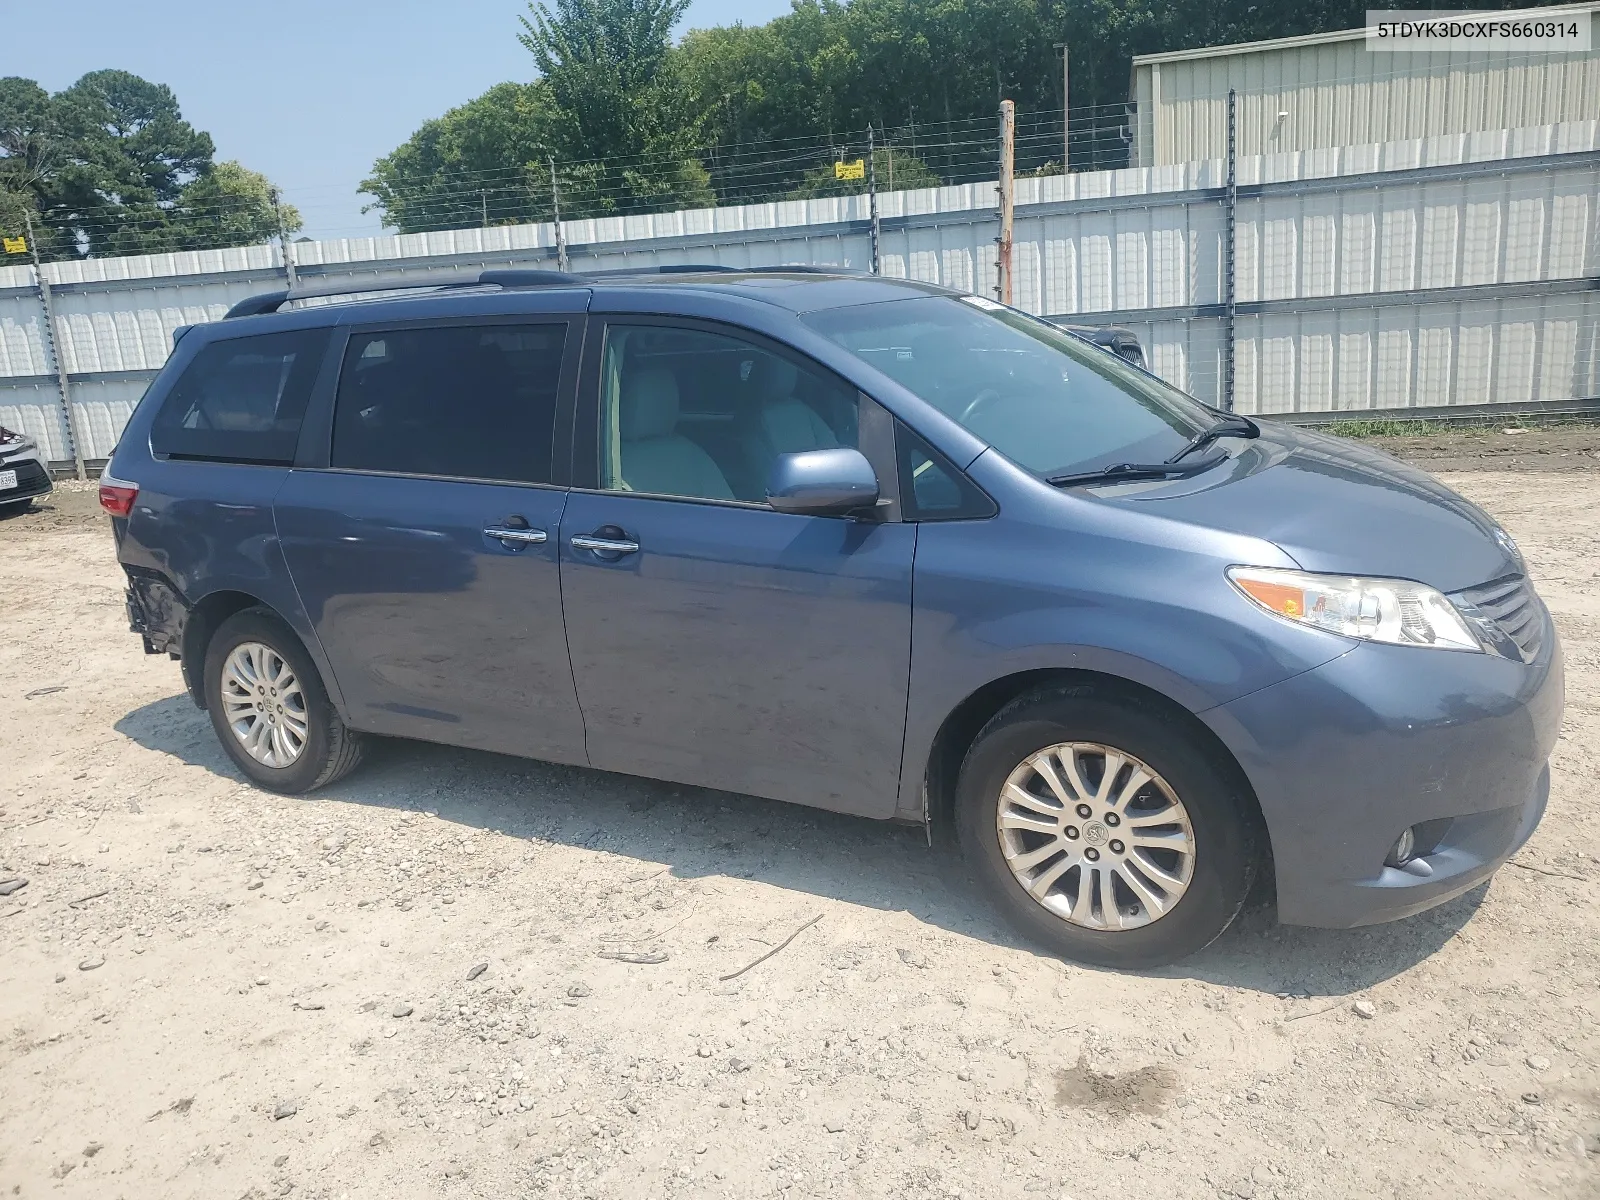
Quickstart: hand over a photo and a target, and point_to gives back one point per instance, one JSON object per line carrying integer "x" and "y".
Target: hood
{"x": 1337, "y": 507}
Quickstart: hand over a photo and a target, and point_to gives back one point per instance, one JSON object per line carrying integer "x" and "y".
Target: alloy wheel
{"x": 264, "y": 704}
{"x": 1095, "y": 836}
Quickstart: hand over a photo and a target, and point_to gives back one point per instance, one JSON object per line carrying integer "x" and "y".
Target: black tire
{"x": 1220, "y": 817}
{"x": 331, "y": 750}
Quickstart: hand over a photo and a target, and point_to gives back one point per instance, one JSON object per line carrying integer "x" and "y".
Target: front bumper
{"x": 32, "y": 479}
{"x": 1345, "y": 757}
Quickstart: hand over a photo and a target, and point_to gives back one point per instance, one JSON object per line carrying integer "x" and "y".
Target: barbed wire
{"x": 744, "y": 170}
{"x": 959, "y": 150}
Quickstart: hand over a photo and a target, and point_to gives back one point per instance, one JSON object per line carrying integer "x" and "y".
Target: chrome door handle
{"x": 530, "y": 537}
{"x": 601, "y": 545}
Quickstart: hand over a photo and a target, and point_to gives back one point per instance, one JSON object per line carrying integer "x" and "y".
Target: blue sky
{"x": 308, "y": 91}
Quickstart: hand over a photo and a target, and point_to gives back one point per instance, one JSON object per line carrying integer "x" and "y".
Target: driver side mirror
{"x": 822, "y": 482}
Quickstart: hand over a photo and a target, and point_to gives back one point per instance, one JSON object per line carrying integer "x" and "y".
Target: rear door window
{"x": 457, "y": 401}
{"x": 241, "y": 399}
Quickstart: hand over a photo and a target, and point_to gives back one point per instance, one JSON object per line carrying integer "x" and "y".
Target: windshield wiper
{"x": 1128, "y": 471}
{"x": 1234, "y": 426}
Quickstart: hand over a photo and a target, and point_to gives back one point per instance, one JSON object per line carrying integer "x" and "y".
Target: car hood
{"x": 1336, "y": 507}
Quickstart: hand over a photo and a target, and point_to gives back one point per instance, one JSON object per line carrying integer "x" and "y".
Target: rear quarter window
{"x": 241, "y": 399}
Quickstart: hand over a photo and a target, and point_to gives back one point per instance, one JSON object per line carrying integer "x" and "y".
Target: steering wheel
{"x": 986, "y": 396}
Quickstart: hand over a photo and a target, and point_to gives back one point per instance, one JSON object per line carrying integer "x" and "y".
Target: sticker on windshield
{"x": 984, "y": 303}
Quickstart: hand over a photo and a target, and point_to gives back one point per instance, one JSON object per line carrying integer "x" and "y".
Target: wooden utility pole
{"x": 1008, "y": 139}
{"x": 52, "y": 342}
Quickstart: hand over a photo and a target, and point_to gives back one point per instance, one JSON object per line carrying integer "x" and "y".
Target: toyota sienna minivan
{"x": 858, "y": 543}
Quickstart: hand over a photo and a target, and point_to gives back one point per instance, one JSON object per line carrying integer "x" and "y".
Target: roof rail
{"x": 269, "y": 302}
{"x": 667, "y": 269}
{"x": 505, "y": 277}
{"x": 720, "y": 269}
{"x": 802, "y": 269}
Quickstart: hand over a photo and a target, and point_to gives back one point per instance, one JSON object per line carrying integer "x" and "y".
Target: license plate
{"x": 8, "y": 479}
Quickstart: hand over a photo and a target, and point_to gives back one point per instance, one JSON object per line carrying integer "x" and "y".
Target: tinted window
{"x": 685, "y": 412}
{"x": 242, "y": 399}
{"x": 931, "y": 489}
{"x": 470, "y": 401}
{"x": 1043, "y": 398}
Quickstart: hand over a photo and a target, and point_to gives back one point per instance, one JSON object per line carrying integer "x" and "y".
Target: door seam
{"x": 566, "y": 636}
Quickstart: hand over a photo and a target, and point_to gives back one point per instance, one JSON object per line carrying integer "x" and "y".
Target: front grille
{"x": 30, "y": 474}
{"x": 1511, "y": 604}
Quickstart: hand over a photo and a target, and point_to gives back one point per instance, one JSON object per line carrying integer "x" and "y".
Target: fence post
{"x": 52, "y": 345}
{"x": 284, "y": 244}
{"x": 1066, "y": 112}
{"x": 872, "y": 196}
{"x": 1231, "y": 205}
{"x": 555, "y": 200}
{"x": 1008, "y": 130}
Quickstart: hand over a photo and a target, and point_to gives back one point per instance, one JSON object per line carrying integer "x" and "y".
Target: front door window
{"x": 686, "y": 412}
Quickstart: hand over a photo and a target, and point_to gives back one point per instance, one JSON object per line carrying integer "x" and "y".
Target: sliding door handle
{"x": 513, "y": 538}
{"x": 604, "y": 545}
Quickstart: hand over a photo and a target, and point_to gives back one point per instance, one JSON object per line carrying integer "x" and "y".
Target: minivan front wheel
{"x": 269, "y": 708}
{"x": 1104, "y": 829}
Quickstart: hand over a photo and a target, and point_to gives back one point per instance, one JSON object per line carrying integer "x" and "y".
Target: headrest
{"x": 649, "y": 404}
{"x": 773, "y": 378}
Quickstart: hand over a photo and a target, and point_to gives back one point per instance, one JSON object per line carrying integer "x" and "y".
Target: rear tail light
{"x": 117, "y": 495}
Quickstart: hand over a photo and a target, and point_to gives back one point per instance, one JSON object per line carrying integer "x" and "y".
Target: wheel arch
{"x": 966, "y": 720}
{"x": 203, "y": 620}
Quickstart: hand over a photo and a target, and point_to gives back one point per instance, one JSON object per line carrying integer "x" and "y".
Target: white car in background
{"x": 23, "y": 477}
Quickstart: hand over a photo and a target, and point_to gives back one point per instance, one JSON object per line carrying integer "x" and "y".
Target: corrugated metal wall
{"x": 1454, "y": 270}
{"x": 1338, "y": 93}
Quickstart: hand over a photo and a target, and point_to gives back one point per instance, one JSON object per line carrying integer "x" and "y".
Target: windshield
{"x": 1043, "y": 398}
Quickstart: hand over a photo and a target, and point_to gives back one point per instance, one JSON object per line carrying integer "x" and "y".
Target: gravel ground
{"x": 461, "y": 975}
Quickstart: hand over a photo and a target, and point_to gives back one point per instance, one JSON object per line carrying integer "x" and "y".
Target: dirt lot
{"x": 1500, "y": 448}
{"x": 456, "y": 974}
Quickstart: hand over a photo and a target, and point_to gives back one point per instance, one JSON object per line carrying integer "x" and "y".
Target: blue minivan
{"x": 858, "y": 543}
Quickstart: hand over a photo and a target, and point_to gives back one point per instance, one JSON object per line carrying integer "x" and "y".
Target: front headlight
{"x": 1396, "y": 611}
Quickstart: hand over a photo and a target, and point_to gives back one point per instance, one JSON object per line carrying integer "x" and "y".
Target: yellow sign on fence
{"x": 850, "y": 170}
{"x": 15, "y": 245}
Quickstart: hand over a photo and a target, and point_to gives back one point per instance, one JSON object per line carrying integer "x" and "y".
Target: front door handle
{"x": 513, "y": 538}
{"x": 604, "y": 545}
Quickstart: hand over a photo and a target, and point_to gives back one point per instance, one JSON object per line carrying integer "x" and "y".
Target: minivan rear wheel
{"x": 269, "y": 708}
{"x": 1104, "y": 829}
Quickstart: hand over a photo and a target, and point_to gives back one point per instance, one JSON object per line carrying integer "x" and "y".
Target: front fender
{"x": 995, "y": 599}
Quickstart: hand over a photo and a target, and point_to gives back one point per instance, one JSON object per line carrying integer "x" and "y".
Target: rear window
{"x": 461, "y": 401}
{"x": 241, "y": 399}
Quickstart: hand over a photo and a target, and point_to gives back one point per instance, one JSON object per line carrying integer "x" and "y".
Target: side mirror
{"x": 821, "y": 482}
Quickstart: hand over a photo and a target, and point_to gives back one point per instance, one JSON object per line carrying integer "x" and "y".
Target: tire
{"x": 327, "y": 749}
{"x": 1213, "y": 819}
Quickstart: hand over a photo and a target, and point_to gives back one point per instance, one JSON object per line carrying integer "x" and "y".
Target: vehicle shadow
{"x": 697, "y": 832}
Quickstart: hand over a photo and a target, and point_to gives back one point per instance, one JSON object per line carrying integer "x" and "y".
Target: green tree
{"x": 231, "y": 205}
{"x": 109, "y": 166}
{"x": 132, "y": 154}
{"x": 742, "y": 113}
{"x": 30, "y": 150}
{"x": 624, "y": 125}
{"x": 488, "y": 154}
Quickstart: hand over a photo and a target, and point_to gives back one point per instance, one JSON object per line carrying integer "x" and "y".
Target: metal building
{"x": 1328, "y": 89}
